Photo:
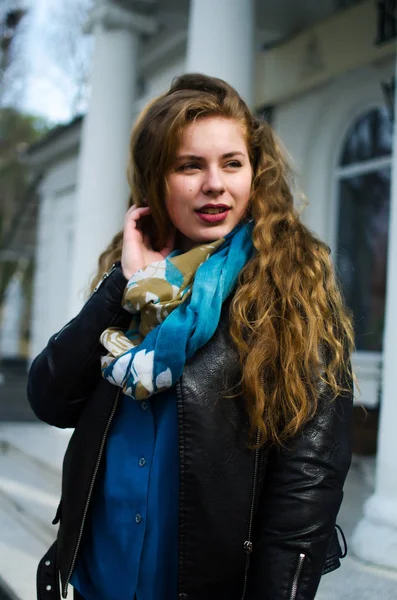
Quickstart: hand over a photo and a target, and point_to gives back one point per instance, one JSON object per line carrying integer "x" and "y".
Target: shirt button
{"x": 142, "y": 462}
{"x": 138, "y": 518}
{"x": 144, "y": 405}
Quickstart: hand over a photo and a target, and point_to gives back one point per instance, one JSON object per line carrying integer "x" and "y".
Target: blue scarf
{"x": 176, "y": 306}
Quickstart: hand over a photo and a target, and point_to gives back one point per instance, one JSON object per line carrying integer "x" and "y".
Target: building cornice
{"x": 111, "y": 16}
{"x": 169, "y": 46}
{"x": 61, "y": 142}
{"x": 341, "y": 43}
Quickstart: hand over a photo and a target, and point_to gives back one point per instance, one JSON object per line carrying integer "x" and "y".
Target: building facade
{"x": 324, "y": 73}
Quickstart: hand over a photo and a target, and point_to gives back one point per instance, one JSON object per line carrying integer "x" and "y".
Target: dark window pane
{"x": 369, "y": 137}
{"x": 362, "y": 252}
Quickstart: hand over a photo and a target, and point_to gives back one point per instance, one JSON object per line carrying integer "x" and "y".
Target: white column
{"x": 11, "y": 317}
{"x": 375, "y": 537}
{"x": 102, "y": 193}
{"x": 221, "y": 42}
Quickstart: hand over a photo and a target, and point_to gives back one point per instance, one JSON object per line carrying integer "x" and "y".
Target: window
{"x": 363, "y": 175}
{"x": 387, "y": 26}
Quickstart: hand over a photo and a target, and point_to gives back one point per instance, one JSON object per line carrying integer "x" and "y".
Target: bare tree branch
{"x": 13, "y": 67}
{"x": 70, "y": 50}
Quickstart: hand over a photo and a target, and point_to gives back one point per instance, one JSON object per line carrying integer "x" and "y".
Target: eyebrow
{"x": 195, "y": 157}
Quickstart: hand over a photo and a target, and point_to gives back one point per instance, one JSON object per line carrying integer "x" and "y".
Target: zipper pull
{"x": 248, "y": 547}
{"x": 295, "y": 581}
{"x": 105, "y": 276}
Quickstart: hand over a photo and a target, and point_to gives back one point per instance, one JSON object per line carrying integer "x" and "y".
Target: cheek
{"x": 244, "y": 189}
{"x": 180, "y": 192}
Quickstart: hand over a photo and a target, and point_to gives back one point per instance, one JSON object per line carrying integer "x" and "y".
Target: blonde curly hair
{"x": 287, "y": 317}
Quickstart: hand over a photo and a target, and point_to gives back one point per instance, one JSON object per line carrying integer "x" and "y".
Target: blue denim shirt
{"x": 130, "y": 542}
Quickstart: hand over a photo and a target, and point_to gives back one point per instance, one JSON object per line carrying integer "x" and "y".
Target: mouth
{"x": 213, "y": 209}
{"x": 213, "y": 213}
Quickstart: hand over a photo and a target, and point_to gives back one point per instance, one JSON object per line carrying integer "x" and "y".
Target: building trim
{"x": 365, "y": 166}
{"x": 113, "y": 16}
{"x": 319, "y": 54}
{"x": 155, "y": 56}
{"x": 62, "y": 141}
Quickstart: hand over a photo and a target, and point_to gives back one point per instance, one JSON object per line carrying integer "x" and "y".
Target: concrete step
{"x": 29, "y": 489}
{"x": 30, "y": 483}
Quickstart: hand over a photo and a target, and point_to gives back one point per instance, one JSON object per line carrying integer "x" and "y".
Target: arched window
{"x": 363, "y": 183}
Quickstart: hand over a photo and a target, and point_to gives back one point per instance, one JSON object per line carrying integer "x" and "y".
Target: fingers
{"x": 134, "y": 226}
{"x": 135, "y": 213}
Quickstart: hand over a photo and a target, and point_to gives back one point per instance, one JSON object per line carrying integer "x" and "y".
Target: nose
{"x": 213, "y": 184}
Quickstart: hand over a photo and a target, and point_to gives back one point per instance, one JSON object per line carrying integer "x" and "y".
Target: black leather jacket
{"x": 253, "y": 525}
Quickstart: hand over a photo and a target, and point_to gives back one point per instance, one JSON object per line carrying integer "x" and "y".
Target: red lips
{"x": 214, "y": 206}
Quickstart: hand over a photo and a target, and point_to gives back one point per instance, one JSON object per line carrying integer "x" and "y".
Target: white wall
{"x": 53, "y": 254}
{"x": 11, "y": 317}
{"x": 159, "y": 81}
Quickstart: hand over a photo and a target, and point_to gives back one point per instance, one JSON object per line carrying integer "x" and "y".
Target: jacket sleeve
{"x": 299, "y": 503}
{"x": 62, "y": 376}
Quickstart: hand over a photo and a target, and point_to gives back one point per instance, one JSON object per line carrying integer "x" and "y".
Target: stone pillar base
{"x": 375, "y": 537}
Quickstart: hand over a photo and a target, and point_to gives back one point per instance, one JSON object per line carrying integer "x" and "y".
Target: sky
{"x": 47, "y": 88}
{"x": 42, "y": 96}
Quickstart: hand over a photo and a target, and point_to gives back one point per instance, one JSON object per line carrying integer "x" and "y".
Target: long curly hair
{"x": 287, "y": 317}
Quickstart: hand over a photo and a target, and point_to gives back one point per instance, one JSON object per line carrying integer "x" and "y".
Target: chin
{"x": 206, "y": 235}
{"x": 211, "y": 236}
{"x": 217, "y": 232}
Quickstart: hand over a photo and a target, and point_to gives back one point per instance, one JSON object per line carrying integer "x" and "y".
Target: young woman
{"x": 207, "y": 377}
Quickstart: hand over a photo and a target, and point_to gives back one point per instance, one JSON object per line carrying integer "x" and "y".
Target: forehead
{"x": 212, "y": 134}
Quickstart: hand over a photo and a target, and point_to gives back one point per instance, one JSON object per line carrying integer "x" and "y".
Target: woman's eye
{"x": 234, "y": 164}
{"x": 189, "y": 167}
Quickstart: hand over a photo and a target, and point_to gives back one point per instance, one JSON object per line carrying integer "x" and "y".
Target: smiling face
{"x": 209, "y": 185}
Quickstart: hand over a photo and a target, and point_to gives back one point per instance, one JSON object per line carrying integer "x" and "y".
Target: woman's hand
{"x": 137, "y": 252}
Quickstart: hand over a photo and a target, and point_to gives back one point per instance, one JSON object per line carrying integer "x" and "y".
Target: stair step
{"x": 20, "y": 552}
{"x": 30, "y": 483}
{"x": 28, "y": 490}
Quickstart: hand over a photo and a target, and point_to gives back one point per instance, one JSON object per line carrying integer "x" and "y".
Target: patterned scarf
{"x": 175, "y": 305}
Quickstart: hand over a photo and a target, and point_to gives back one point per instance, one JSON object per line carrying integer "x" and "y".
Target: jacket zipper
{"x": 181, "y": 482}
{"x": 90, "y": 490}
{"x": 248, "y": 547}
{"x": 295, "y": 581}
{"x": 104, "y": 276}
